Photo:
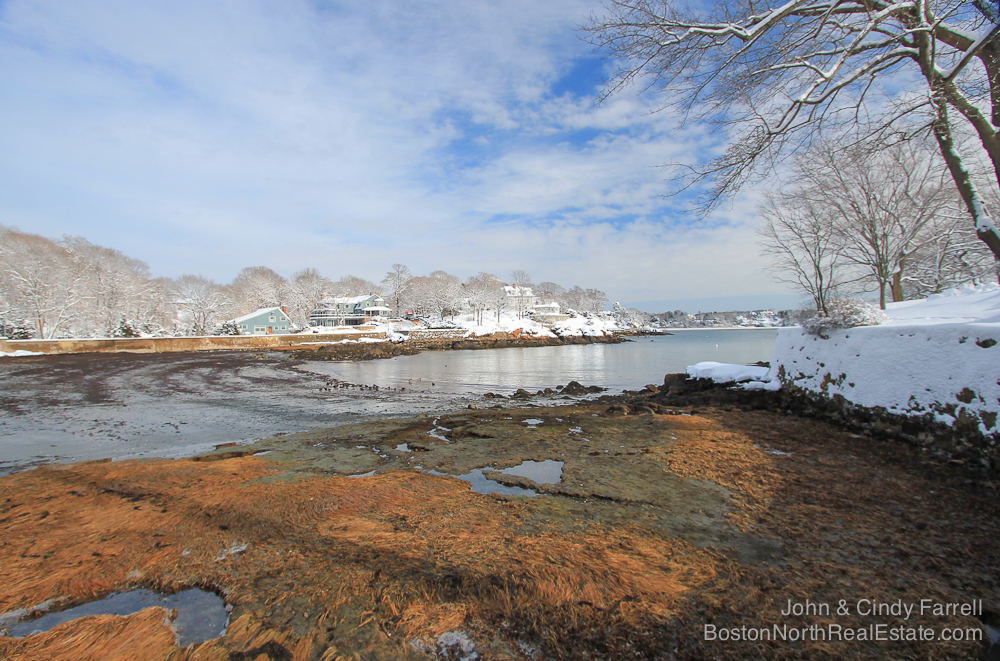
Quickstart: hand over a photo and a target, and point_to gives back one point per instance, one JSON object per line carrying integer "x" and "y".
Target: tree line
{"x": 441, "y": 294}
{"x": 74, "y": 288}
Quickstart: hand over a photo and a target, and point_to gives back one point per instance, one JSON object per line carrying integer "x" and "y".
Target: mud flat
{"x": 343, "y": 544}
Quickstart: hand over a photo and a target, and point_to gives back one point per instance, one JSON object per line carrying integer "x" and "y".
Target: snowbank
{"x": 939, "y": 355}
{"x": 750, "y": 377}
{"x": 19, "y": 353}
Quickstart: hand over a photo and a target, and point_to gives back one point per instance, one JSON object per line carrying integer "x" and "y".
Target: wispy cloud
{"x": 204, "y": 137}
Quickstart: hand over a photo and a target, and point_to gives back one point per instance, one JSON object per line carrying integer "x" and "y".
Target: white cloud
{"x": 205, "y": 137}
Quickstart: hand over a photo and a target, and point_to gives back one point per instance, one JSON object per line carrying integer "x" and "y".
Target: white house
{"x": 519, "y": 299}
{"x": 349, "y": 310}
{"x": 547, "y": 313}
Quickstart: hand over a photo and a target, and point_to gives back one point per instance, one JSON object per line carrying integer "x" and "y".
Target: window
{"x": 271, "y": 318}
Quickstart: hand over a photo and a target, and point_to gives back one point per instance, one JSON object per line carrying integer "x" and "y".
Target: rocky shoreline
{"x": 376, "y": 350}
{"x": 961, "y": 444}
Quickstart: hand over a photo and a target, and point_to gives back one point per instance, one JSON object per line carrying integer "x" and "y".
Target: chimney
{"x": 284, "y": 309}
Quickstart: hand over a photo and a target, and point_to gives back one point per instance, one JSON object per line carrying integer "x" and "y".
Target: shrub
{"x": 126, "y": 328}
{"x": 844, "y": 313}
{"x": 228, "y": 328}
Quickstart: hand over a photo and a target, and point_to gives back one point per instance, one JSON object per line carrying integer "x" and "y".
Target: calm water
{"x": 201, "y": 615}
{"x": 630, "y": 365}
{"x": 92, "y": 406}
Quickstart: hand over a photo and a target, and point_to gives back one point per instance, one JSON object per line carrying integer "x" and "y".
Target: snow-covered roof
{"x": 551, "y": 306}
{"x": 346, "y": 300}
{"x": 256, "y": 313}
{"x": 514, "y": 290}
{"x": 377, "y": 308}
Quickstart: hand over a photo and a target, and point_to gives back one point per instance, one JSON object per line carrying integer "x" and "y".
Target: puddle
{"x": 434, "y": 432}
{"x": 368, "y": 474}
{"x": 542, "y": 472}
{"x": 480, "y": 484}
{"x": 532, "y": 422}
{"x": 403, "y": 447}
{"x": 201, "y": 615}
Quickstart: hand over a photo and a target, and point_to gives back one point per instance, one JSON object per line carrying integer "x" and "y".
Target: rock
{"x": 618, "y": 409}
{"x": 576, "y": 388}
{"x": 473, "y": 407}
{"x": 521, "y": 393}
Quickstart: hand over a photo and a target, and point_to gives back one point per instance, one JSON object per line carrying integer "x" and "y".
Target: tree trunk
{"x": 897, "y": 286}
{"x": 985, "y": 228}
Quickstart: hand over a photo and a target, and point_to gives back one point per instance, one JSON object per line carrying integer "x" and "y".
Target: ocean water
{"x": 629, "y": 365}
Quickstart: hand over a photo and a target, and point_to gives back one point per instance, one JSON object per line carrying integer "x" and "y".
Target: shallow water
{"x": 541, "y": 472}
{"x": 201, "y": 615}
{"x": 127, "y": 406}
{"x": 629, "y": 365}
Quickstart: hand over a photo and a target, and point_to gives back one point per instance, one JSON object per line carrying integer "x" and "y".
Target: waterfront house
{"x": 547, "y": 313}
{"x": 349, "y": 310}
{"x": 265, "y": 321}
{"x": 519, "y": 299}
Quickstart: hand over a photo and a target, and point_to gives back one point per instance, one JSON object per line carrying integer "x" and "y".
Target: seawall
{"x": 174, "y": 344}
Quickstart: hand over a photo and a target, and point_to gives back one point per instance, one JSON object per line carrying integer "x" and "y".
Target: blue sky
{"x": 346, "y": 136}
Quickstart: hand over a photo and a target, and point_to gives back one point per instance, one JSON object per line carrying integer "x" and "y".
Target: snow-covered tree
{"x": 583, "y": 300}
{"x": 801, "y": 238}
{"x": 41, "y": 281}
{"x": 520, "y": 278}
{"x": 394, "y": 285}
{"x": 630, "y": 317}
{"x": 483, "y": 292}
{"x": 776, "y": 77}
{"x": 438, "y": 293}
{"x": 549, "y": 291}
{"x": 305, "y": 290}
{"x": 116, "y": 287}
{"x": 200, "y": 301}
{"x": 257, "y": 287}
{"x": 352, "y": 285}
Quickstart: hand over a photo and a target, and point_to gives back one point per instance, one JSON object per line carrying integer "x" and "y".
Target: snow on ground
{"x": 585, "y": 327}
{"x": 508, "y": 323}
{"x": 19, "y": 353}
{"x": 726, "y": 372}
{"x": 939, "y": 355}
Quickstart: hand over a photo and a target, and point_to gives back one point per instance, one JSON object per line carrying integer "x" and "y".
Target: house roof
{"x": 514, "y": 290}
{"x": 346, "y": 300}
{"x": 256, "y": 313}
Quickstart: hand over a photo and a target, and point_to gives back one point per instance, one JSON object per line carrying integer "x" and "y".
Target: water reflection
{"x": 201, "y": 615}
{"x": 630, "y": 365}
{"x": 541, "y": 472}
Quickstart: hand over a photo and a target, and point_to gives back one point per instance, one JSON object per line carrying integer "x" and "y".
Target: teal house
{"x": 265, "y": 321}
